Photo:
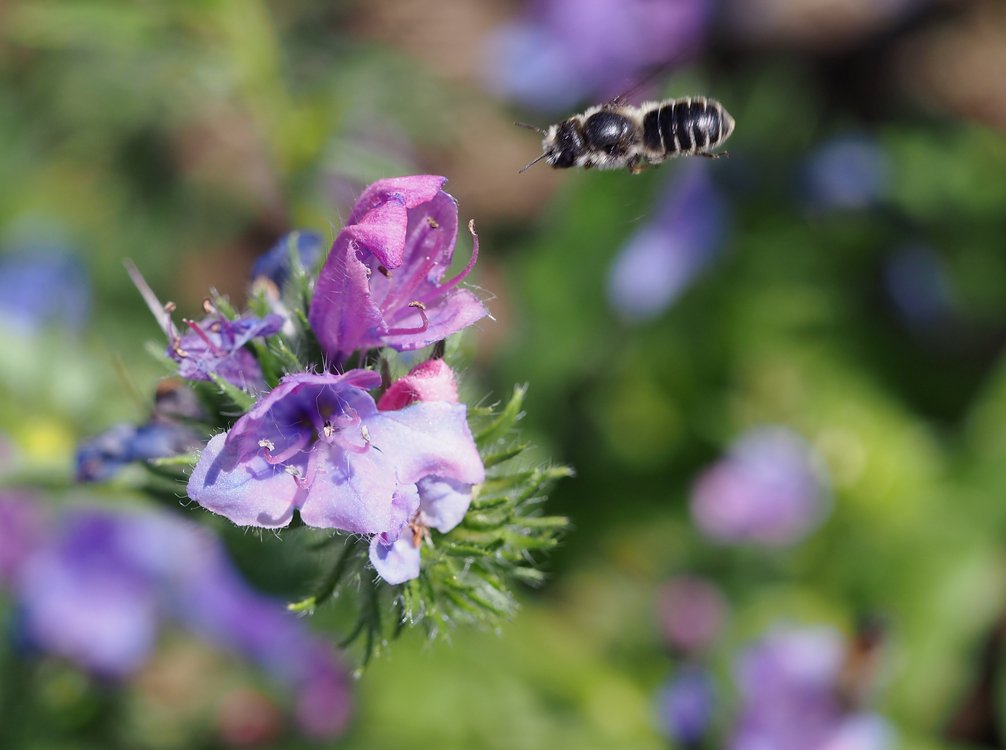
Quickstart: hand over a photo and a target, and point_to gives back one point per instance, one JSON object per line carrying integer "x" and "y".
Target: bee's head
{"x": 564, "y": 143}
{"x": 561, "y": 144}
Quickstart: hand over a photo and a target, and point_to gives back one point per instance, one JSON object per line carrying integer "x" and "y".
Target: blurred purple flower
{"x": 101, "y": 456}
{"x": 381, "y": 284}
{"x": 848, "y": 173}
{"x": 43, "y": 285}
{"x": 105, "y": 582}
{"x": 919, "y": 287}
{"x": 790, "y": 696}
{"x": 768, "y": 490}
{"x": 274, "y": 264}
{"x": 685, "y": 705}
{"x": 562, "y": 51}
{"x": 318, "y": 444}
{"x": 22, "y": 524}
{"x": 660, "y": 260}
{"x": 213, "y": 346}
{"x": 692, "y": 612}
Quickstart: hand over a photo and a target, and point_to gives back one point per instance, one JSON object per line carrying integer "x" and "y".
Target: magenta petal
{"x": 397, "y": 562}
{"x": 342, "y": 312}
{"x": 432, "y": 380}
{"x": 443, "y": 502}
{"x": 249, "y": 493}
{"x": 458, "y": 310}
{"x": 411, "y": 191}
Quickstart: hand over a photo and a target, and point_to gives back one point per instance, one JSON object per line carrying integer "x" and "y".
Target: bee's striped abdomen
{"x": 691, "y": 126}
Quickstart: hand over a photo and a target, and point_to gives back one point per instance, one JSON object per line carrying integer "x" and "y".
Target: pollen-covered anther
{"x": 383, "y": 270}
{"x": 419, "y": 531}
{"x": 208, "y": 307}
{"x": 169, "y": 307}
{"x": 269, "y": 445}
{"x": 432, "y": 222}
{"x": 197, "y": 329}
{"x": 292, "y": 471}
{"x": 328, "y": 430}
{"x": 421, "y": 308}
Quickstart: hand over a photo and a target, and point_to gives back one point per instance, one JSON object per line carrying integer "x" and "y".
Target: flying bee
{"x": 616, "y": 135}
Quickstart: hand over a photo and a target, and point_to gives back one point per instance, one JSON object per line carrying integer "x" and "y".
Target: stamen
{"x": 432, "y": 222}
{"x": 471, "y": 262}
{"x": 405, "y": 331}
{"x": 365, "y": 433}
{"x": 208, "y": 307}
{"x": 169, "y": 307}
{"x": 161, "y": 313}
{"x": 206, "y": 339}
{"x": 328, "y": 430}
{"x": 287, "y": 453}
{"x": 384, "y": 272}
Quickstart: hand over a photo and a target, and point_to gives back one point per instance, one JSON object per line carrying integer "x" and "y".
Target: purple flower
{"x": 565, "y": 50}
{"x": 662, "y": 258}
{"x": 43, "y": 285}
{"x": 318, "y": 444}
{"x": 381, "y": 284}
{"x": 845, "y": 174}
{"x": 104, "y": 583}
{"x": 789, "y": 692}
{"x": 274, "y": 265}
{"x": 768, "y": 490}
{"x": 22, "y": 523}
{"x": 214, "y": 345}
{"x": 432, "y": 380}
{"x": 691, "y": 611}
{"x": 685, "y": 705}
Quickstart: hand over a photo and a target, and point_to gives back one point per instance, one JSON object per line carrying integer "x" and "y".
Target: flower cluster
{"x": 300, "y": 420}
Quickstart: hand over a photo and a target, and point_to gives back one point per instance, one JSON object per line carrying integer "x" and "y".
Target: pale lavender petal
{"x": 397, "y": 562}
{"x": 250, "y": 492}
{"x": 428, "y": 438}
{"x": 354, "y": 492}
{"x": 444, "y": 502}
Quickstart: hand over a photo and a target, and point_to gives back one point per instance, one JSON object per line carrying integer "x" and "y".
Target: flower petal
{"x": 432, "y": 380}
{"x": 251, "y": 492}
{"x": 397, "y": 562}
{"x": 443, "y": 502}
{"x": 428, "y": 438}
{"x": 457, "y": 310}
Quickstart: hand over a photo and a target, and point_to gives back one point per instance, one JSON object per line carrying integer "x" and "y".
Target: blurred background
{"x": 779, "y": 375}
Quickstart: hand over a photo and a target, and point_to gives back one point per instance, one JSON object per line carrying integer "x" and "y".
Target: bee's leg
{"x": 711, "y": 155}
{"x": 636, "y": 164}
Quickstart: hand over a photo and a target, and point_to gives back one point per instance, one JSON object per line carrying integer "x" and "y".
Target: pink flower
{"x": 382, "y": 282}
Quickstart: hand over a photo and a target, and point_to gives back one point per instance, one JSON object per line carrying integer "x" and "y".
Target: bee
{"x": 616, "y": 135}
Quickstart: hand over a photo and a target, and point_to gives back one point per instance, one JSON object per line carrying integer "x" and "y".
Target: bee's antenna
{"x": 532, "y": 163}
{"x": 535, "y": 128}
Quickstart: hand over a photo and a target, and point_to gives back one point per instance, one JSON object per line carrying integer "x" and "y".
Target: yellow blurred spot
{"x": 46, "y": 440}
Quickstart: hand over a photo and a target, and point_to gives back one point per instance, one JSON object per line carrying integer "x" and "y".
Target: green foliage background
{"x": 187, "y": 136}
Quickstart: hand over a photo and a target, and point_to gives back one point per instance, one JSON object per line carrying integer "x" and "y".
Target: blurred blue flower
{"x": 274, "y": 265}
{"x": 43, "y": 285}
{"x": 562, "y": 51}
{"x": 918, "y": 285}
{"x": 685, "y": 705}
{"x": 101, "y": 456}
{"x": 847, "y": 173}
{"x": 103, "y": 583}
{"x": 660, "y": 260}
{"x": 768, "y": 490}
{"x": 790, "y": 696}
